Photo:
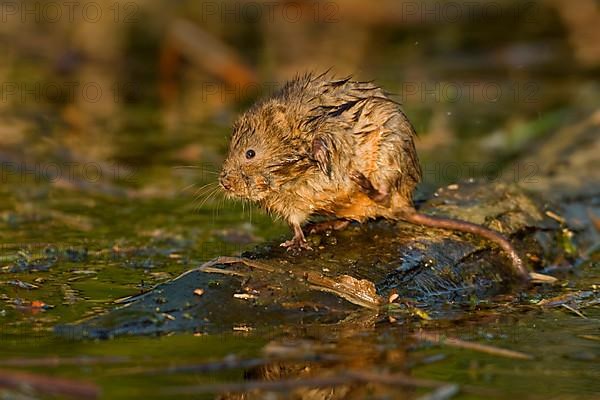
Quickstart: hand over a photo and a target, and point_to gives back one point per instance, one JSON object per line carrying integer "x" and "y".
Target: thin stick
{"x": 206, "y": 267}
{"x": 61, "y": 361}
{"x": 212, "y": 270}
{"x": 574, "y": 310}
{"x": 483, "y": 348}
{"x": 241, "y": 260}
{"x": 49, "y": 384}
{"x": 442, "y": 393}
{"x": 227, "y": 260}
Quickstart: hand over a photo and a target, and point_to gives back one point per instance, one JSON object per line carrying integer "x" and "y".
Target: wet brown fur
{"x": 325, "y": 146}
{"x": 362, "y": 129}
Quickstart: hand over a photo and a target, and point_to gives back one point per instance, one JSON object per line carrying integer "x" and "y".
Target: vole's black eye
{"x": 250, "y": 154}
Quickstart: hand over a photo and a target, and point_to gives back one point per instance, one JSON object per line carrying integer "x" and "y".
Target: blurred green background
{"x": 115, "y": 114}
{"x": 141, "y": 83}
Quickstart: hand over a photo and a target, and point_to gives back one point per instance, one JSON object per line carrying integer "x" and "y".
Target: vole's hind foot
{"x": 296, "y": 245}
{"x": 333, "y": 225}
{"x": 298, "y": 242}
{"x": 366, "y": 186}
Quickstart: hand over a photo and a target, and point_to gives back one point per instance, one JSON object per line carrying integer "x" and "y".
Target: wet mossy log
{"x": 550, "y": 218}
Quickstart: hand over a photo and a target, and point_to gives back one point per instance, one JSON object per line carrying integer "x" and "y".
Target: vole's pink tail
{"x": 468, "y": 227}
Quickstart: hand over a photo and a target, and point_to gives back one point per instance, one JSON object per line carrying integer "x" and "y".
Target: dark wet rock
{"x": 328, "y": 285}
{"x": 76, "y": 254}
{"x": 24, "y": 263}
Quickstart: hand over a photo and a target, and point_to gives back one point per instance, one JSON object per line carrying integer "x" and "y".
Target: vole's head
{"x": 263, "y": 153}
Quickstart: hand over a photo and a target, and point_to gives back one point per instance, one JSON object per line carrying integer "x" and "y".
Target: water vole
{"x": 337, "y": 148}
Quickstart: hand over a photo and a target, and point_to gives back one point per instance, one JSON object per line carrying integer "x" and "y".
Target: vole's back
{"x": 367, "y": 132}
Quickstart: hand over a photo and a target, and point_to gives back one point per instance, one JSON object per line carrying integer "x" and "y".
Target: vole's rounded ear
{"x": 321, "y": 153}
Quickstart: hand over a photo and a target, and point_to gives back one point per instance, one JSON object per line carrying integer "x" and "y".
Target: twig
{"x": 536, "y": 277}
{"x": 212, "y": 270}
{"x": 60, "y": 361}
{"x": 574, "y": 310}
{"x": 202, "y": 368}
{"x": 228, "y": 260}
{"x": 206, "y": 267}
{"x": 48, "y": 384}
{"x": 454, "y": 342}
{"x": 241, "y": 260}
{"x": 360, "y": 292}
{"x": 442, "y": 393}
{"x": 590, "y": 337}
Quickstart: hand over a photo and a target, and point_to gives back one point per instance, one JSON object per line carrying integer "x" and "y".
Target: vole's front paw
{"x": 295, "y": 245}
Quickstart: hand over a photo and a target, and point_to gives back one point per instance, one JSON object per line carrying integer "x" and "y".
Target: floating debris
{"x": 22, "y": 285}
{"x": 168, "y": 316}
{"x": 244, "y": 296}
{"x": 590, "y": 337}
{"x": 555, "y": 216}
{"x": 243, "y": 328}
{"x": 536, "y": 277}
{"x": 420, "y": 313}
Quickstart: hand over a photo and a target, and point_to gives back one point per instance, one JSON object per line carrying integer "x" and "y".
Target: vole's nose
{"x": 224, "y": 181}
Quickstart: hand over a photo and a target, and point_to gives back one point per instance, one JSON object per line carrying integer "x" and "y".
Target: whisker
{"x": 188, "y": 187}
{"x": 204, "y": 193}
{"x": 250, "y": 208}
{"x": 215, "y": 208}
{"x": 211, "y": 194}
{"x": 222, "y": 203}
{"x": 247, "y": 214}
{"x": 201, "y": 169}
{"x": 209, "y": 184}
{"x": 186, "y": 167}
{"x": 198, "y": 193}
{"x": 219, "y": 199}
